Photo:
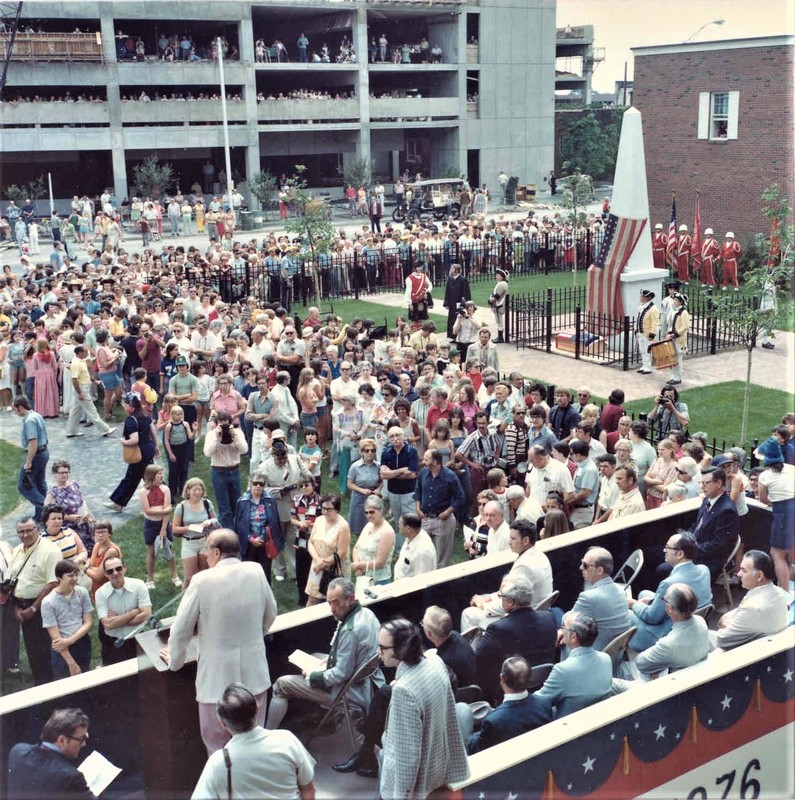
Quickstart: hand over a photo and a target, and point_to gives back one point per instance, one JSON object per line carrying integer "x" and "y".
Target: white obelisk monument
{"x": 630, "y": 199}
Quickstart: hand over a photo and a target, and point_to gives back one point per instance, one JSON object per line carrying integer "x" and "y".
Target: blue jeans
{"x": 226, "y": 486}
{"x": 36, "y": 490}
{"x": 81, "y": 653}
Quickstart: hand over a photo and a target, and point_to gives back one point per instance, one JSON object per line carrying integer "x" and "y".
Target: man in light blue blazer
{"x": 585, "y": 677}
{"x": 685, "y": 644}
{"x": 648, "y": 612}
{"x": 601, "y": 598}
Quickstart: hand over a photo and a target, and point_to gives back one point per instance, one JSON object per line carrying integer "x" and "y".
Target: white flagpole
{"x": 52, "y": 202}
{"x": 227, "y": 159}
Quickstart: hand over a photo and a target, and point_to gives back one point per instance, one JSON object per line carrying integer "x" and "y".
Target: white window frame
{"x": 709, "y": 122}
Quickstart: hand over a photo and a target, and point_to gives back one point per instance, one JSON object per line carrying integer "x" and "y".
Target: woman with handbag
{"x": 257, "y": 524}
{"x": 139, "y": 450}
{"x": 329, "y": 546}
{"x": 372, "y": 555}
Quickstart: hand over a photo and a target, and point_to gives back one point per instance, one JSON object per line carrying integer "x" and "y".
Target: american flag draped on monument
{"x": 604, "y": 275}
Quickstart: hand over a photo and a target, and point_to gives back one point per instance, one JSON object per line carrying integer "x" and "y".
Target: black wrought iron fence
{"x": 383, "y": 268}
{"x": 559, "y": 319}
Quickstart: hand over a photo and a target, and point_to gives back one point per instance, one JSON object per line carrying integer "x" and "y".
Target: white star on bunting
{"x": 587, "y": 765}
{"x": 726, "y": 702}
{"x": 788, "y": 676}
{"x": 660, "y": 732}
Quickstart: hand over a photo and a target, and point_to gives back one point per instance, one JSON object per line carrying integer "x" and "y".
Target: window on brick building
{"x": 718, "y": 115}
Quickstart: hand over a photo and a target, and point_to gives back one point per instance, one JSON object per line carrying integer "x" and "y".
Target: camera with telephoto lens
{"x": 226, "y": 434}
{"x": 279, "y": 447}
{"x": 7, "y": 587}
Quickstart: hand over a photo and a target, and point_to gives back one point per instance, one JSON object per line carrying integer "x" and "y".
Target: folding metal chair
{"x": 363, "y": 673}
{"x": 725, "y": 575}
{"x": 617, "y": 648}
{"x": 547, "y": 602}
{"x": 629, "y": 569}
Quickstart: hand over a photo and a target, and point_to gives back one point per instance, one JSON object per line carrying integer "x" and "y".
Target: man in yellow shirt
{"x": 81, "y": 381}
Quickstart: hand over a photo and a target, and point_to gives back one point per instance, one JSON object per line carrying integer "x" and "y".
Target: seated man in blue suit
{"x": 522, "y": 631}
{"x": 601, "y": 598}
{"x": 648, "y": 612}
{"x": 46, "y": 769}
{"x": 519, "y": 711}
{"x": 585, "y": 677}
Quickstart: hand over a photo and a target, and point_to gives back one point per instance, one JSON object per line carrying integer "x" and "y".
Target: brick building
{"x": 717, "y": 117}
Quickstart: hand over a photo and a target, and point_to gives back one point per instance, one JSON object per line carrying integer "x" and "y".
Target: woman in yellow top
{"x": 680, "y": 325}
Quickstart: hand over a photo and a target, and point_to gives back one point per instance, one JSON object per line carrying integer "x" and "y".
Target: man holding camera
{"x": 673, "y": 414}
{"x": 224, "y": 445}
{"x": 30, "y": 578}
{"x": 283, "y": 472}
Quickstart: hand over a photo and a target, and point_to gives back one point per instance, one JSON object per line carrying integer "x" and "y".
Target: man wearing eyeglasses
{"x": 43, "y": 769}
{"x": 649, "y": 610}
{"x": 718, "y": 523}
{"x": 122, "y": 605}
{"x": 601, "y": 598}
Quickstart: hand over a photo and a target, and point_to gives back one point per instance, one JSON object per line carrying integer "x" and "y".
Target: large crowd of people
{"x": 438, "y": 453}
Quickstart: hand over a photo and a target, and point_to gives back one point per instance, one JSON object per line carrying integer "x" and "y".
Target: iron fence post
{"x": 548, "y": 322}
{"x": 625, "y": 364}
{"x": 577, "y": 329}
{"x": 507, "y": 333}
{"x": 355, "y": 275}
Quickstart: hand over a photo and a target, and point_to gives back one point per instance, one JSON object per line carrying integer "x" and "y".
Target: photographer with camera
{"x": 283, "y": 472}
{"x": 29, "y": 578}
{"x": 672, "y": 414}
{"x": 224, "y": 445}
{"x": 465, "y": 328}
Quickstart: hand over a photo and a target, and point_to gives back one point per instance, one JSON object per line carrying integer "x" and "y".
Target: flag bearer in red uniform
{"x": 710, "y": 250}
{"x": 729, "y": 254}
{"x": 658, "y": 244}
{"x": 683, "y": 254}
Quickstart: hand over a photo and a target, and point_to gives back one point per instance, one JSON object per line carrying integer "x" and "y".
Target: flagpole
{"x": 225, "y": 123}
{"x": 49, "y": 183}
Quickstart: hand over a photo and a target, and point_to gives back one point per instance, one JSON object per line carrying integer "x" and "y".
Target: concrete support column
{"x": 359, "y": 37}
{"x": 120, "y": 184}
{"x": 246, "y": 37}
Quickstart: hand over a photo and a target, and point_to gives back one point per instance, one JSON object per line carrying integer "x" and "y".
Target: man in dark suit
{"x": 519, "y": 711}
{"x": 717, "y": 525}
{"x": 456, "y": 292}
{"x": 451, "y": 646}
{"x": 45, "y": 769}
{"x": 522, "y": 631}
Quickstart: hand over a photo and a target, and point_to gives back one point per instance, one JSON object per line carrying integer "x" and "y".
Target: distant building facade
{"x": 463, "y": 86}
{"x": 717, "y": 117}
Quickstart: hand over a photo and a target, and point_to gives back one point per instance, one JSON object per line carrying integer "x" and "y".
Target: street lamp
{"x": 713, "y": 22}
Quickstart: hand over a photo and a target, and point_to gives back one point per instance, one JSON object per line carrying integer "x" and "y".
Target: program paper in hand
{"x": 305, "y": 662}
{"x": 98, "y": 772}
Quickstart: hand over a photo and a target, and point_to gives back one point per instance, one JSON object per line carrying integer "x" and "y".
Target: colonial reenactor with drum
{"x": 498, "y": 300}
{"x": 418, "y": 290}
{"x": 680, "y": 325}
{"x": 647, "y": 323}
{"x": 710, "y": 251}
{"x": 730, "y": 253}
{"x": 683, "y": 246}
{"x": 667, "y": 307}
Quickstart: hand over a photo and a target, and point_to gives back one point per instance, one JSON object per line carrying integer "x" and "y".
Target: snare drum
{"x": 663, "y": 354}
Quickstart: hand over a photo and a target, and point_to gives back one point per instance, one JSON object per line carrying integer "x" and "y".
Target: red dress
{"x": 45, "y": 393}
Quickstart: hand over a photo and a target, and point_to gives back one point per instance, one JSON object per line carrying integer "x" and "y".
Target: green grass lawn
{"x": 11, "y": 456}
{"x": 717, "y": 410}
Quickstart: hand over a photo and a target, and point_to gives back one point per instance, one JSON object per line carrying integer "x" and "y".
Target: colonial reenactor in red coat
{"x": 683, "y": 254}
{"x": 658, "y": 245}
{"x": 730, "y": 253}
{"x": 710, "y": 251}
